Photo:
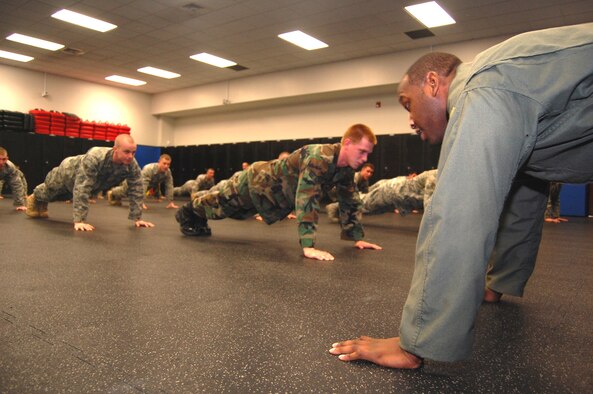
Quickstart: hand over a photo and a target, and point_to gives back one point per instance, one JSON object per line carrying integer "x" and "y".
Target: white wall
{"x": 20, "y": 90}
{"x": 305, "y": 120}
{"x": 320, "y": 101}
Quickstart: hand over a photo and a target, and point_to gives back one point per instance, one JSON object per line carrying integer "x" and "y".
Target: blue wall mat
{"x": 573, "y": 200}
{"x": 147, "y": 154}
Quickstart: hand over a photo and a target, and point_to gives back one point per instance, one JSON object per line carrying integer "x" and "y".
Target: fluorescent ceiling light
{"x": 213, "y": 60}
{"x": 124, "y": 80}
{"x": 430, "y": 14}
{"x": 303, "y": 40}
{"x": 36, "y": 42}
{"x": 15, "y": 56}
{"x": 158, "y": 72}
{"x": 83, "y": 20}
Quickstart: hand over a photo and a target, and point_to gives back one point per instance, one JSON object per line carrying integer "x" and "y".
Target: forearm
{"x": 80, "y": 201}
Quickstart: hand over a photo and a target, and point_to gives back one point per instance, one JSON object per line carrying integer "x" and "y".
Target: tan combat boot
{"x": 36, "y": 209}
{"x": 42, "y": 209}
{"x": 112, "y": 200}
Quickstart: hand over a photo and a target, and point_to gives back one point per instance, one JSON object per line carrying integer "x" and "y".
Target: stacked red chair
{"x": 87, "y": 129}
{"x": 58, "y": 123}
{"x": 100, "y": 132}
{"x": 124, "y": 129}
{"x": 42, "y": 120}
{"x": 112, "y": 131}
{"x": 72, "y": 125}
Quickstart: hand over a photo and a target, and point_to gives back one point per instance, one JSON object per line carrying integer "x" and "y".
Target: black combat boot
{"x": 191, "y": 224}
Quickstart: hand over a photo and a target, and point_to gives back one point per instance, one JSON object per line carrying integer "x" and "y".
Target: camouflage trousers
{"x": 54, "y": 188}
{"x": 120, "y": 191}
{"x": 185, "y": 189}
{"x": 401, "y": 193}
{"x": 553, "y": 207}
{"x": 389, "y": 194}
{"x": 228, "y": 198}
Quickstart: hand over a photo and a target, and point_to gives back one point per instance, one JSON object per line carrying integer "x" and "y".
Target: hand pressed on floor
{"x": 381, "y": 351}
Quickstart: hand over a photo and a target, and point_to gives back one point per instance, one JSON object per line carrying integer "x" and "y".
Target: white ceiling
{"x": 164, "y": 33}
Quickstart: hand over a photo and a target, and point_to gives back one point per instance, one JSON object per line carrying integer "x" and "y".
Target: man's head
{"x": 164, "y": 162}
{"x": 244, "y": 165}
{"x": 3, "y": 157}
{"x": 367, "y": 171}
{"x": 124, "y": 149}
{"x": 423, "y": 93}
{"x": 283, "y": 155}
{"x": 210, "y": 173}
{"x": 357, "y": 143}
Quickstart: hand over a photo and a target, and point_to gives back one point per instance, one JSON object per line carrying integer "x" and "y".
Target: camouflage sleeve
{"x": 86, "y": 178}
{"x": 429, "y": 185}
{"x": 169, "y": 186}
{"x": 24, "y": 183}
{"x": 414, "y": 193}
{"x": 147, "y": 174}
{"x": 399, "y": 193}
{"x": 307, "y": 197}
{"x": 350, "y": 211}
{"x": 197, "y": 186}
{"x": 16, "y": 186}
{"x": 135, "y": 192}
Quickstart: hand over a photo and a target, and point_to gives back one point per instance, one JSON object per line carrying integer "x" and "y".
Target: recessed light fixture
{"x": 303, "y": 40}
{"x": 212, "y": 60}
{"x": 15, "y": 56}
{"x": 36, "y": 42}
{"x": 430, "y": 14}
{"x": 125, "y": 80}
{"x": 83, "y": 20}
{"x": 158, "y": 72}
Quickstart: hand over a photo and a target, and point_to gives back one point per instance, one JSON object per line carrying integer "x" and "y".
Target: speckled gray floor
{"x": 125, "y": 310}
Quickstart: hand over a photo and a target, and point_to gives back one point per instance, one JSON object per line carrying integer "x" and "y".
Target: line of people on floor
{"x": 517, "y": 117}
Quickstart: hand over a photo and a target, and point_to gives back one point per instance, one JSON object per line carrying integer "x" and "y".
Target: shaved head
{"x": 123, "y": 139}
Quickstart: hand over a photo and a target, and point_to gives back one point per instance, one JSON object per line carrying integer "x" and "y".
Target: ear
{"x": 431, "y": 82}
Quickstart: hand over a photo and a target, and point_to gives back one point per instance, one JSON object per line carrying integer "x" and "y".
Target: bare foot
{"x": 381, "y": 351}
{"x": 492, "y": 296}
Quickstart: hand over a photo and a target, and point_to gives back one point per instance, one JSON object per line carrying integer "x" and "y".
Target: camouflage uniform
{"x": 361, "y": 184}
{"x": 553, "y": 207}
{"x": 276, "y": 188}
{"x": 16, "y": 180}
{"x": 80, "y": 177}
{"x": 186, "y": 188}
{"x": 399, "y": 193}
{"x": 202, "y": 183}
{"x": 152, "y": 178}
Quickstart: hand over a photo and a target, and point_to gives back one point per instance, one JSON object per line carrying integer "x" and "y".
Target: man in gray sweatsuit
{"x": 517, "y": 117}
